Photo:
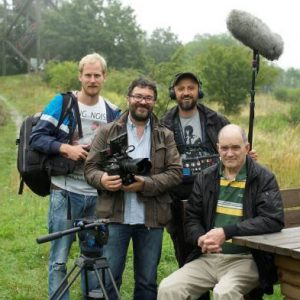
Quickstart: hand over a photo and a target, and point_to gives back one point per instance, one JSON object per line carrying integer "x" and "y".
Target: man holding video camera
{"x": 138, "y": 210}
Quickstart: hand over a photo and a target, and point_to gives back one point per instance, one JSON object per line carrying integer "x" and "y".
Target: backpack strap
{"x": 70, "y": 104}
{"x": 77, "y": 116}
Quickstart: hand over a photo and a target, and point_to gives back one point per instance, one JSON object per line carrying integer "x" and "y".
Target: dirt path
{"x": 15, "y": 115}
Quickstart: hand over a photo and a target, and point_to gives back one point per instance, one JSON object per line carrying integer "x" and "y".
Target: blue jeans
{"x": 147, "y": 245}
{"x": 81, "y": 206}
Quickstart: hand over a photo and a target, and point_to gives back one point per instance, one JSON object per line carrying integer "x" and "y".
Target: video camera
{"x": 92, "y": 233}
{"x": 118, "y": 162}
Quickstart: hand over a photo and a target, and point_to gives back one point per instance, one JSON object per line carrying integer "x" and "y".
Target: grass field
{"x": 23, "y": 262}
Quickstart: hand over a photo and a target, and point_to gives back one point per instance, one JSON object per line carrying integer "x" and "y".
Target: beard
{"x": 187, "y": 105}
{"x": 140, "y": 116}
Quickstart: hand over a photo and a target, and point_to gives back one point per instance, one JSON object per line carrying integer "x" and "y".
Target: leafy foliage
{"x": 62, "y": 76}
{"x": 83, "y": 26}
{"x": 294, "y": 115}
{"x": 161, "y": 45}
{"x": 290, "y": 78}
{"x": 226, "y": 75}
{"x": 287, "y": 94}
{"x": 3, "y": 115}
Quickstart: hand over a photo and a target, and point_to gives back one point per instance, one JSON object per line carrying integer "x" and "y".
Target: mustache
{"x": 187, "y": 97}
{"x": 142, "y": 105}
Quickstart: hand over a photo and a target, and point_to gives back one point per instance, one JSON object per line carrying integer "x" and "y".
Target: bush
{"x": 281, "y": 94}
{"x": 62, "y": 76}
{"x": 294, "y": 95}
{"x": 294, "y": 114}
{"x": 3, "y": 115}
{"x": 272, "y": 123}
{"x": 118, "y": 81}
{"x": 287, "y": 94}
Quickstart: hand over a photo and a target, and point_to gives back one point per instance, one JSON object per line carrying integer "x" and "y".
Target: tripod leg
{"x": 58, "y": 294}
{"x": 101, "y": 282}
{"x": 114, "y": 283}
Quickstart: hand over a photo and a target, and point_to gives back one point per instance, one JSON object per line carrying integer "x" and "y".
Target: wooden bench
{"x": 291, "y": 204}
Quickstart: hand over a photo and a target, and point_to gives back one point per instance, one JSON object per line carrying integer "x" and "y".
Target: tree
{"x": 290, "y": 78}
{"x": 226, "y": 75}
{"x": 161, "y": 45}
{"x": 83, "y": 26}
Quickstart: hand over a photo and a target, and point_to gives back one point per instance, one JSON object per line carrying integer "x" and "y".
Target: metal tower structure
{"x": 21, "y": 32}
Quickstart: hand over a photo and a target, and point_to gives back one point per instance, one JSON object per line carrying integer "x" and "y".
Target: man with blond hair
{"x": 71, "y": 197}
{"x": 236, "y": 197}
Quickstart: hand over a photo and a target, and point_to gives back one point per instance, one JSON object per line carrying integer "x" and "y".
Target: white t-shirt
{"x": 92, "y": 117}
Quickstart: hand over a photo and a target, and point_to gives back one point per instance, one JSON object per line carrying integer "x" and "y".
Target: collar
{"x": 132, "y": 125}
{"x": 242, "y": 175}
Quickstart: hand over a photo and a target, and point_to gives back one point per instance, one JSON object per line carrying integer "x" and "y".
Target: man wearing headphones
{"x": 189, "y": 116}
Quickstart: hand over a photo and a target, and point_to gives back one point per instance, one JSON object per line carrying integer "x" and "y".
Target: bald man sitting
{"x": 237, "y": 197}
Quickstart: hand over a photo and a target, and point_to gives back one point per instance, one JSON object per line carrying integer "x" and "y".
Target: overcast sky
{"x": 186, "y": 18}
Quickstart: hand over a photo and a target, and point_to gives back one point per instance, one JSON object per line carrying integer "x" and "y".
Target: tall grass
{"x": 23, "y": 218}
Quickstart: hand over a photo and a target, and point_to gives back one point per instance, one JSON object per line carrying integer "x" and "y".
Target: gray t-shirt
{"x": 191, "y": 128}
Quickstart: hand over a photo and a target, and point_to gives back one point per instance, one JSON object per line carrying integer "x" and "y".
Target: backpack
{"x": 36, "y": 168}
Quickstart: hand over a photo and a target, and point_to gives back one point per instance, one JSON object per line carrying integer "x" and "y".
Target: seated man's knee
{"x": 227, "y": 292}
{"x": 167, "y": 288}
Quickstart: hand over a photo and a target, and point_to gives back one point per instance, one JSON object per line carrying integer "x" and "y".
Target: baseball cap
{"x": 182, "y": 75}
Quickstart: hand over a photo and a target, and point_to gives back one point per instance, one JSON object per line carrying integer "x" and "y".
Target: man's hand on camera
{"x": 74, "y": 152}
{"x": 111, "y": 182}
{"x": 137, "y": 186}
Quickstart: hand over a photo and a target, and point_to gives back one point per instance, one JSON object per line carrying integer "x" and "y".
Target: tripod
{"x": 89, "y": 260}
{"x": 85, "y": 264}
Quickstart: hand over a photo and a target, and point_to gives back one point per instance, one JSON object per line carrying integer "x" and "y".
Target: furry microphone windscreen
{"x": 255, "y": 34}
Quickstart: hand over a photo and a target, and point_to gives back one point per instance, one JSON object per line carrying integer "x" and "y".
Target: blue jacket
{"x": 43, "y": 137}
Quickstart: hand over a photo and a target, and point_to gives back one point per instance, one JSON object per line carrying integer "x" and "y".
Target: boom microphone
{"x": 255, "y": 34}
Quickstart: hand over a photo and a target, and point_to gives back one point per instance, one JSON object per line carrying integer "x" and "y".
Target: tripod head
{"x": 92, "y": 233}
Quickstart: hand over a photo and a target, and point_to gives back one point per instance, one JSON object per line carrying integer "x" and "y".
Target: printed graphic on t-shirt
{"x": 92, "y": 118}
{"x": 189, "y": 136}
{"x": 197, "y": 154}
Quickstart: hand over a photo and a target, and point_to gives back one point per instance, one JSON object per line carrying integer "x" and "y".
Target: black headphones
{"x": 178, "y": 76}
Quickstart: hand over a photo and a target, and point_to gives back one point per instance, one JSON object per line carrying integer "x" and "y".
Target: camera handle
{"x": 59, "y": 234}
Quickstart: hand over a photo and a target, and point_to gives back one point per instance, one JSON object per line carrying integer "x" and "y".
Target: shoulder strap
{"x": 77, "y": 115}
{"x": 70, "y": 103}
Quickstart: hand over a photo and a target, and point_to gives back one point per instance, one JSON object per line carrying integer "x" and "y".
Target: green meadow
{"x": 23, "y": 262}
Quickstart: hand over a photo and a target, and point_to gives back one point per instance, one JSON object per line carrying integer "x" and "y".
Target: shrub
{"x": 294, "y": 114}
{"x": 273, "y": 122}
{"x": 62, "y": 76}
{"x": 294, "y": 95}
{"x": 118, "y": 81}
{"x": 281, "y": 94}
{"x": 287, "y": 94}
{"x": 3, "y": 115}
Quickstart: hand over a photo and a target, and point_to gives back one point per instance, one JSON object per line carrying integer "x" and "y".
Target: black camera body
{"x": 118, "y": 162}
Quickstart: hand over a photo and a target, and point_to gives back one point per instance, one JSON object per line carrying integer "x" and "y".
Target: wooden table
{"x": 286, "y": 247}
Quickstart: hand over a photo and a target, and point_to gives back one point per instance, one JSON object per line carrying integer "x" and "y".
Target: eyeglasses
{"x": 139, "y": 98}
